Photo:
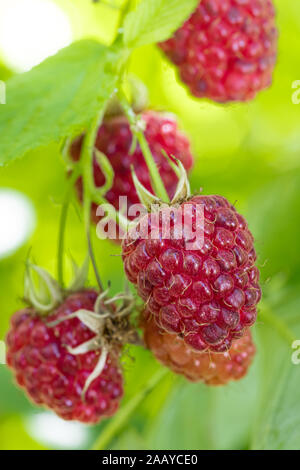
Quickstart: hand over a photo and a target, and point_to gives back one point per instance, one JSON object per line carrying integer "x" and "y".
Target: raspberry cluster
{"x": 209, "y": 368}
{"x": 115, "y": 139}
{"x": 51, "y": 375}
{"x": 208, "y": 295}
{"x": 226, "y": 50}
{"x": 200, "y": 293}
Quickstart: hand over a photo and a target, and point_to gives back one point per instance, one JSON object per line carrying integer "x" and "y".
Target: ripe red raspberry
{"x": 51, "y": 375}
{"x": 226, "y": 51}
{"x": 206, "y": 295}
{"x": 210, "y": 368}
{"x": 115, "y": 139}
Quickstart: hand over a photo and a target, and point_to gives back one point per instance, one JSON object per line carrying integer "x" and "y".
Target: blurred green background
{"x": 247, "y": 152}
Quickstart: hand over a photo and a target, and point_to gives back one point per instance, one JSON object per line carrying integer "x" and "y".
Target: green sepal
{"x": 145, "y": 197}
{"x": 66, "y": 156}
{"x": 80, "y": 275}
{"x": 107, "y": 170}
{"x": 44, "y": 296}
{"x": 183, "y": 189}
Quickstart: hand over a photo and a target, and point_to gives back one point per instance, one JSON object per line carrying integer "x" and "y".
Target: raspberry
{"x": 54, "y": 377}
{"x": 210, "y": 368}
{"x": 226, "y": 51}
{"x": 206, "y": 294}
{"x": 115, "y": 139}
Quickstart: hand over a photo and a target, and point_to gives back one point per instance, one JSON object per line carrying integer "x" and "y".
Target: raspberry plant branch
{"x": 108, "y": 4}
{"x": 156, "y": 181}
{"x": 86, "y": 162}
{"x": 62, "y": 225}
{"x": 93, "y": 260}
{"x": 90, "y": 191}
{"x": 116, "y": 424}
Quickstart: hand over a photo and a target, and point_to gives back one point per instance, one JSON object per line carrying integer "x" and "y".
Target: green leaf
{"x": 156, "y": 20}
{"x": 58, "y": 98}
{"x": 212, "y": 418}
{"x": 278, "y": 417}
{"x": 280, "y": 427}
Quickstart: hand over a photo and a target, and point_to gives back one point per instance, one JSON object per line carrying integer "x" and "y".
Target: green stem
{"x": 91, "y": 192}
{"x": 128, "y": 6}
{"x": 156, "y": 181}
{"x": 62, "y": 225}
{"x": 280, "y": 326}
{"x": 116, "y": 424}
{"x": 86, "y": 163}
{"x": 93, "y": 261}
{"x": 109, "y": 5}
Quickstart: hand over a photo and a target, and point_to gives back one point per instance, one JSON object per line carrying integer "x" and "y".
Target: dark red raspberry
{"x": 210, "y": 368}
{"x": 51, "y": 375}
{"x": 115, "y": 139}
{"x": 226, "y": 51}
{"x": 206, "y": 294}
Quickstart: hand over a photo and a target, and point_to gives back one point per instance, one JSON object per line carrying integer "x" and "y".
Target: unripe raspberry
{"x": 115, "y": 140}
{"x": 226, "y": 50}
{"x": 54, "y": 377}
{"x": 210, "y": 368}
{"x": 206, "y": 294}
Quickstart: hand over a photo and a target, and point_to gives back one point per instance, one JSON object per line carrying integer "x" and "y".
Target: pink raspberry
{"x": 210, "y": 368}
{"x": 51, "y": 375}
{"x": 206, "y": 294}
{"x": 115, "y": 139}
{"x": 226, "y": 51}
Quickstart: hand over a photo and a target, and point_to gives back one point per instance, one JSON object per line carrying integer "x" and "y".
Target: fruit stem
{"x": 86, "y": 163}
{"x": 127, "y": 7}
{"x": 93, "y": 260}
{"x": 108, "y": 4}
{"x": 156, "y": 181}
{"x": 90, "y": 191}
{"x": 62, "y": 225}
{"x": 116, "y": 424}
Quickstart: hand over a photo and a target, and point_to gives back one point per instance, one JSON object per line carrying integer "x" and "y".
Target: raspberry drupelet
{"x": 209, "y": 368}
{"x": 226, "y": 51}
{"x": 54, "y": 377}
{"x": 208, "y": 295}
{"x": 115, "y": 138}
